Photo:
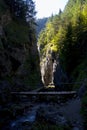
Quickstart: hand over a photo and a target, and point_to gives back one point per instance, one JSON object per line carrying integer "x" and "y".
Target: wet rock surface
{"x": 51, "y": 114}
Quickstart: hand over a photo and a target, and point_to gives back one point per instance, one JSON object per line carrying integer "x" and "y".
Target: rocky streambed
{"x": 60, "y": 113}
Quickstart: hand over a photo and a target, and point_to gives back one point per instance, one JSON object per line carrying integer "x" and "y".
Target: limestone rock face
{"x": 47, "y": 70}
{"x": 52, "y": 71}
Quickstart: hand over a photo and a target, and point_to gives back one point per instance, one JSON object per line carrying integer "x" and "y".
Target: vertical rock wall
{"x": 52, "y": 71}
{"x": 19, "y": 60}
{"x": 47, "y": 70}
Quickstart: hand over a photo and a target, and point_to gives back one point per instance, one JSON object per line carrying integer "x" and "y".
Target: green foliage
{"x": 48, "y": 37}
{"x": 23, "y": 10}
{"x": 17, "y": 34}
{"x": 66, "y": 34}
{"x": 80, "y": 73}
{"x": 32, "y": 71}
{"x": 17, "y": 8}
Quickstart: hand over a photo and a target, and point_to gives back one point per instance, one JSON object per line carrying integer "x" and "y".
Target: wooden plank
{"x": 44, "y": 93}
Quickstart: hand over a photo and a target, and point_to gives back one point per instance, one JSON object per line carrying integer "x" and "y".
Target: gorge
{"x": 62, "y": 59}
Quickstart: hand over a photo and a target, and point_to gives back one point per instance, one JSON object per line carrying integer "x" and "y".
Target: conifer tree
{"x": 23, "y": 10}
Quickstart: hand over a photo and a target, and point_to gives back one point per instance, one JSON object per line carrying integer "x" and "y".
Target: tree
{"x": 66, "y": 34}
{"x": 22, "y": 10}
{"x": 30, "y": 13}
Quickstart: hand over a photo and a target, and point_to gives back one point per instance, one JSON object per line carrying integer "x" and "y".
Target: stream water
{"x": 70, "y": 111}
{"x": 28, "y": 118}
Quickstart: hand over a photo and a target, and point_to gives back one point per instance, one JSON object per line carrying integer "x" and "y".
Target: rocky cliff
{"x": 19, "y": 59}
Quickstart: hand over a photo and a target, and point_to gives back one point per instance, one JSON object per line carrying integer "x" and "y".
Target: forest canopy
{"x": 66, "y": 35}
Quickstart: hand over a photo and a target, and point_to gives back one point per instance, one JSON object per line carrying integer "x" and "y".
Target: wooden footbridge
{"x": 39, "y": 92}
{"x": 45, "y": 93}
